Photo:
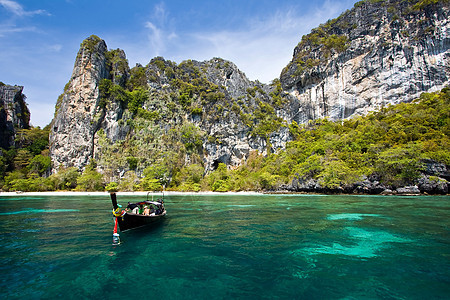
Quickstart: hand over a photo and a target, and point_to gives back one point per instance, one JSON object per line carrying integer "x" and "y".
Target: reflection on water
{"x": 269, "y": 246}
{"x": 355, "y": 241}
{"x": 34, "y": 211}
{"x": 352, "y": 217}
{"x": 359, "y": 242}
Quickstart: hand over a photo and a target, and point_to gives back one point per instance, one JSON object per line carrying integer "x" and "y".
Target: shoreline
{"x": 166, "y": 193}
{"x": 203, "y": 193}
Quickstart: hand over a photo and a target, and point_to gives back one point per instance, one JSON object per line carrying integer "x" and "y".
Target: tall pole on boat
{"x": 114, "y": 200}
{"x": 116, "y": 236}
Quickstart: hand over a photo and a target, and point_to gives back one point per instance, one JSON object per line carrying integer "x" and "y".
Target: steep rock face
{"x": 209, "y": 112}
{"x": 376, "y": 54}
{"x": 230, "y": 140}
{"x": 89, "y": 115}
{"x": 14, "y": 114}
{"x": 79, "y": 112}
{"x": 223, "y": 94}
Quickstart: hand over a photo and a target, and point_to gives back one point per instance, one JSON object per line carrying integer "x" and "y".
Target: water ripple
{"x": 36, "y": 211}
{"x": 351, "y": 217}
{"x": 359, "y": 242}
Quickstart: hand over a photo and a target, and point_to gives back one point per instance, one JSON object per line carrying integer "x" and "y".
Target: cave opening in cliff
{"x": 215, "y": 164}
{"x": 224, "y": 159}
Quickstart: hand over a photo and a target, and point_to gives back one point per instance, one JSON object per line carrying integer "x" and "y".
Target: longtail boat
{"x": 137, "y": 214}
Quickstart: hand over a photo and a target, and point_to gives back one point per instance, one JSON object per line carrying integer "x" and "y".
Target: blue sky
{"x": 39, "y": 39}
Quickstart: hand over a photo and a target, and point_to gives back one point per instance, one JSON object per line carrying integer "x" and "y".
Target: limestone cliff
{"x": 173, "y": 115}
{"x": 79, "y": 112}
{"x": 378, "y": 53}
{"x": 208, "y": 106}
{"x": 14, "y": 113}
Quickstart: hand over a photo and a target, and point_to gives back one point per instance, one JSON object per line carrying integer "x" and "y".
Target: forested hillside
{"x": 400, "y": 145}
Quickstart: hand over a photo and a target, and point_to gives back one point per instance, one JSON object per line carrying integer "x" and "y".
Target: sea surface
{"x": 228, "y": 247}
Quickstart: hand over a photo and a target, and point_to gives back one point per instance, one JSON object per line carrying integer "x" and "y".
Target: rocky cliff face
{"x": 207, "y": 105}
{"x": 14, "y": 114}
{"x": 79, "y": 113}
{"x": 378, "y": 53}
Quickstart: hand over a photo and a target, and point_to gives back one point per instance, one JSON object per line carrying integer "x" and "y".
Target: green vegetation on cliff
{"x": 26, "y": 166}
{"x": 391, "y": 144}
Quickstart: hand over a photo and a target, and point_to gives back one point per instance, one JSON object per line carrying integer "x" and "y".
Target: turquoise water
{"x": 234, "y": 247}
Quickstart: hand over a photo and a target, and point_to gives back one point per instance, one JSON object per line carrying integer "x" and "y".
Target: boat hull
{"x": 131, "y": 221}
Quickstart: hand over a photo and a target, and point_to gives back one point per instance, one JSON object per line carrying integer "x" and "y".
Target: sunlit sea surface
{"x": 228, "y": 247}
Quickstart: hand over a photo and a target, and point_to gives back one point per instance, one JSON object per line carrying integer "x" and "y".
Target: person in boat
{"x": 133, "y": 207}
{"x": 159, "y": 209}
{"x": 146, "y": 211}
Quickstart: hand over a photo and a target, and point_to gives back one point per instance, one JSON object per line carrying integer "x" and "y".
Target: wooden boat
{"x": 128, "y": 220}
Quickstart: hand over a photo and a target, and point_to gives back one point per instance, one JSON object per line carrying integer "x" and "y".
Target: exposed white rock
{"x": 388, "y": 61}
{"x": 76, "y": 118}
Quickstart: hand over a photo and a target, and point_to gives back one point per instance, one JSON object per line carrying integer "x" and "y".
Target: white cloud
{"x": 261, "y": 46}
{"x": 155, "y": 38}
{"x": 18, "y": 9}
{"x": 264, "y": 46}
{"x": 12, "y": 25}
{"x": 160, "y": 33}
{"x": 6, "y": 29}
{"x": 54, "y": 48}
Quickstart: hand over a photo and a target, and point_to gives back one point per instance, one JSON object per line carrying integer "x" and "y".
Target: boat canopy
{"x": 149, "y": 202}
